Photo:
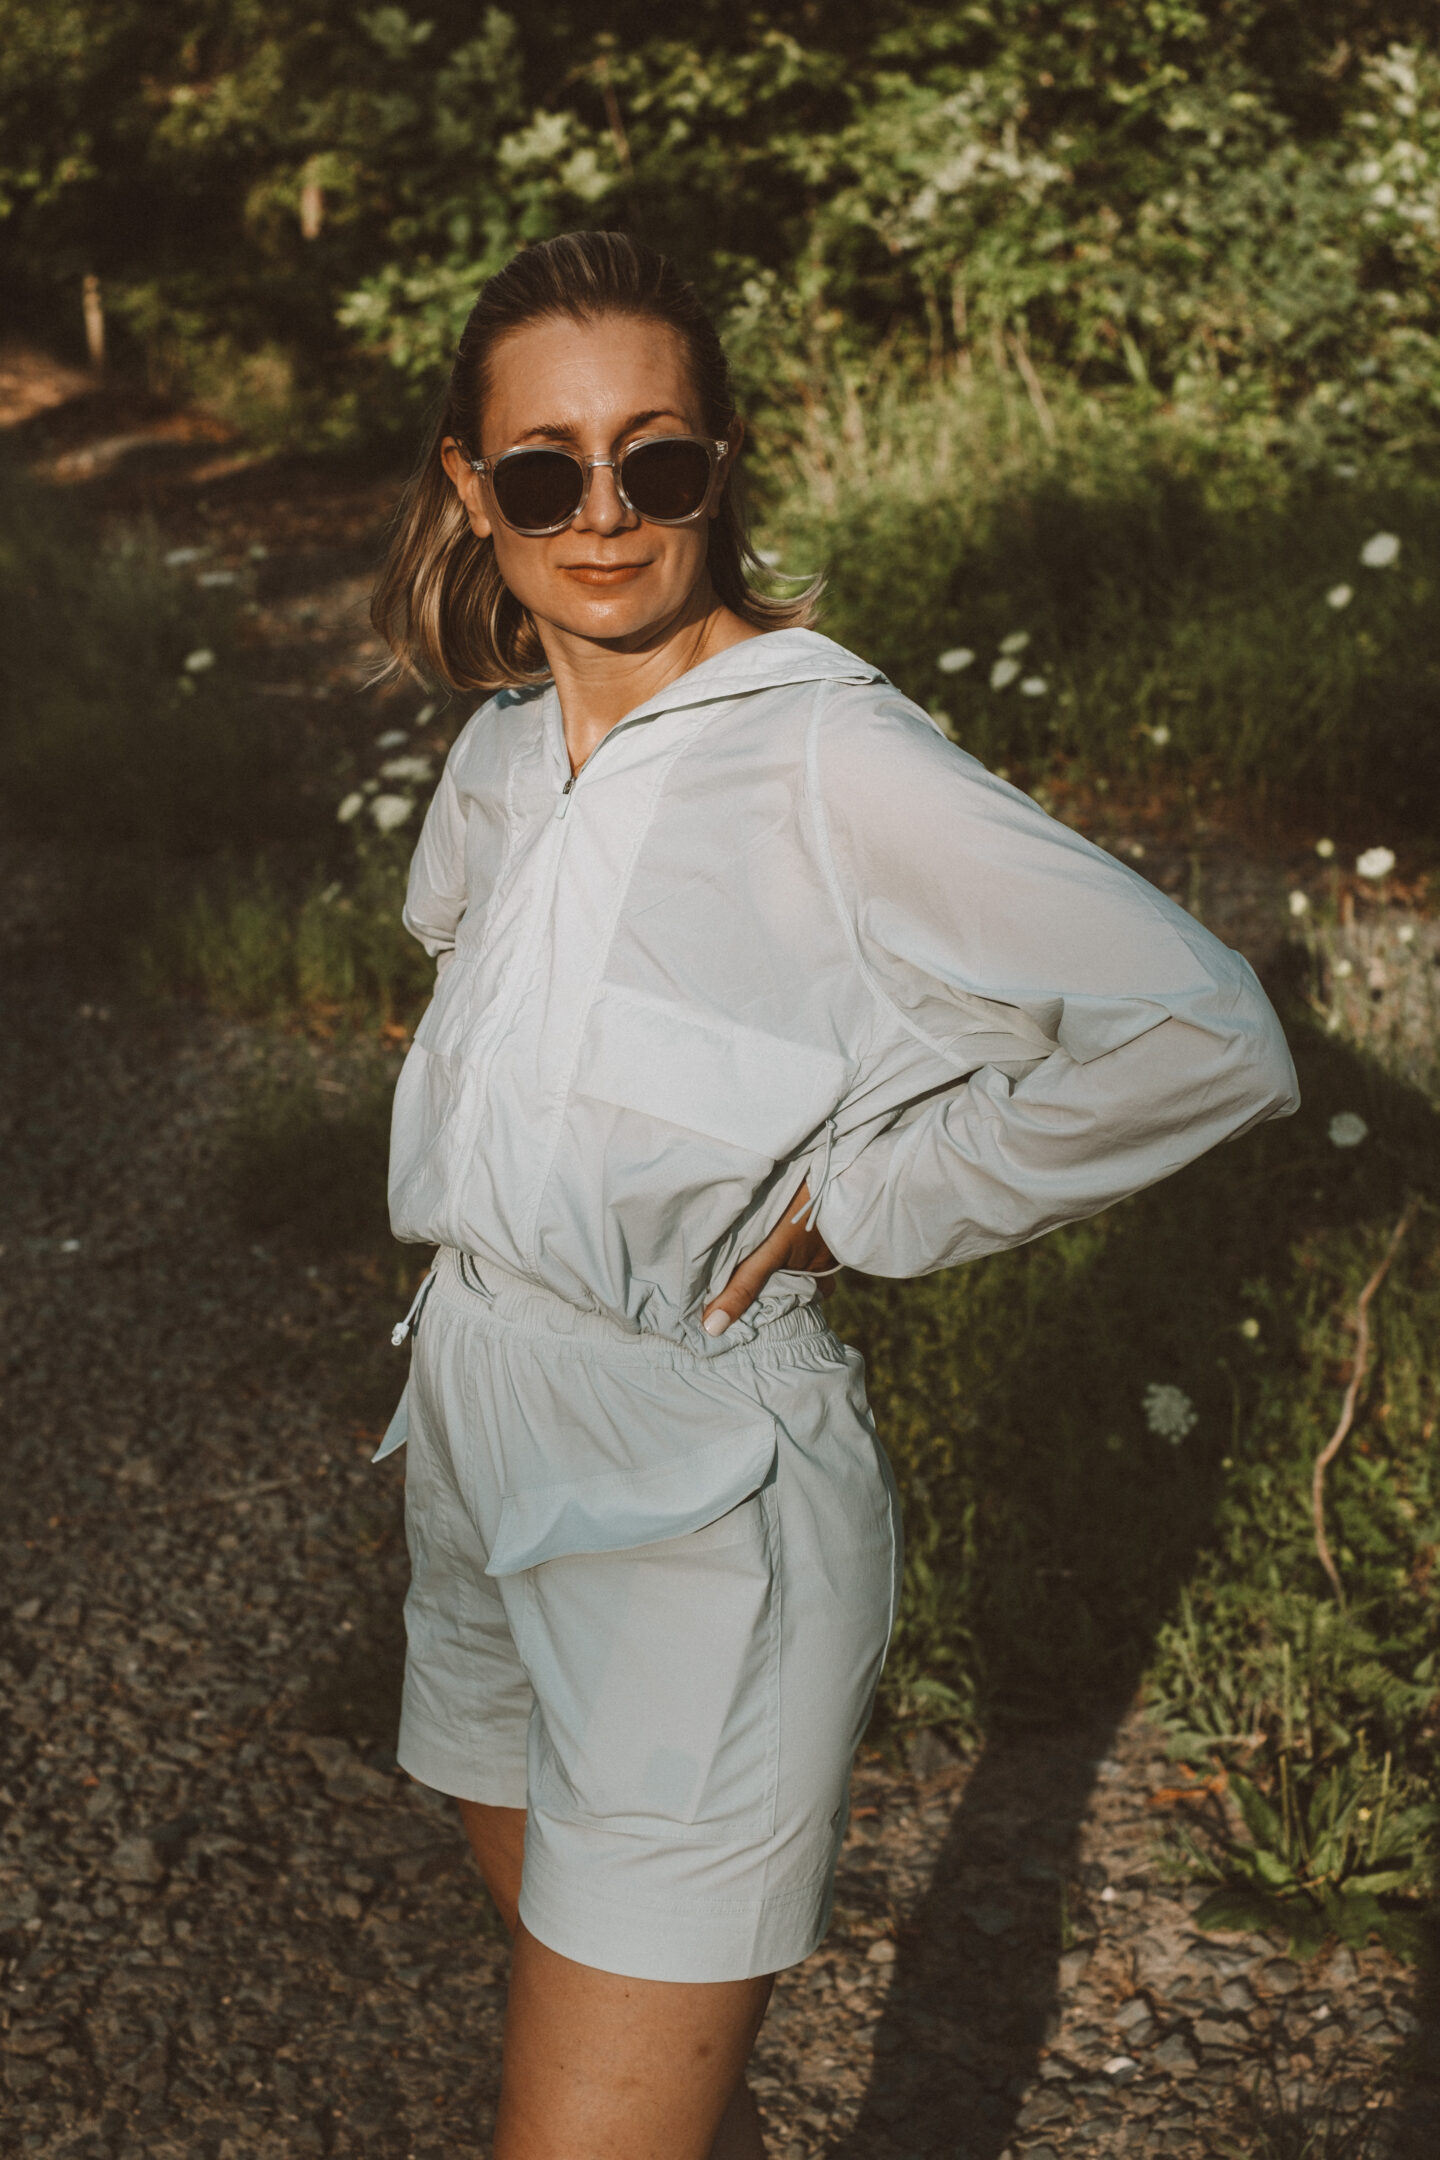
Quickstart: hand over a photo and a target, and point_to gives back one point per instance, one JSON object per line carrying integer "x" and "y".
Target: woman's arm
{"x": 1131, "y": 1040}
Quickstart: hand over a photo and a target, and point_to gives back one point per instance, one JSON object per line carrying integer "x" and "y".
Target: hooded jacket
{"x": 779, "y": 927}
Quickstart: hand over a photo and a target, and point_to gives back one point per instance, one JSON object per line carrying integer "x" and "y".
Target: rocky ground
{"x": 230, "y": 1928}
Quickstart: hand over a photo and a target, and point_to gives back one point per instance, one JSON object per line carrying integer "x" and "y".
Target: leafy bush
{"x": 1235, "y": 208}
{"x": 1127, "y": 596}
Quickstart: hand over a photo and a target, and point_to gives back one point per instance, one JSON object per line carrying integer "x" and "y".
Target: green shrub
{"x": 1129, "y": 596}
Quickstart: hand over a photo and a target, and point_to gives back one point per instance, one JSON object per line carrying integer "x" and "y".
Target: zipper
{"x": 638, "y": 720}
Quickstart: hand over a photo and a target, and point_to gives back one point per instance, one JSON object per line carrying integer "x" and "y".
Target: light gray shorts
{"x": 677, "y": 1704}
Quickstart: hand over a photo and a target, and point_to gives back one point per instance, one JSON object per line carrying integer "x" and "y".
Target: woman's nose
{"x": 604, "y": 512}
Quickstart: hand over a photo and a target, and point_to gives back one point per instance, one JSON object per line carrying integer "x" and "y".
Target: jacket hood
{"x": 773, "y": 661}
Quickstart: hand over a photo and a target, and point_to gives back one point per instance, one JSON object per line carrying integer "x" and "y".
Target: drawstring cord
{"x": 810, "y": 1215}
{"x": 404, "y": 1329}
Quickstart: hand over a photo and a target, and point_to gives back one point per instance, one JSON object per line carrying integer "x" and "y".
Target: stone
{"x": 1223, "y": 2033}
{"x": 1279, "y": 1976}
{"x": 136, "y": 1860}
{"x": 31, "y": 2040}
{"x": 1121, "y": 2068}
{"x": 1175, "y": 2056}
{"x": 1047, "y": 2106}
{"x": 882, "y": 1952}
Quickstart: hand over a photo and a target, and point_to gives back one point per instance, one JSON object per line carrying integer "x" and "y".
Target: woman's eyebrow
{"x": 558, "y": 431}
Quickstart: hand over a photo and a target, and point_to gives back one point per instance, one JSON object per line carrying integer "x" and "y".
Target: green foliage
{"x": 1321, "y": 1862}
{"x": 1234, "y": 207}
{"x": 335, "y": 956}
{"x": 123, "y": 717}
{"x": 307, "y": 1167}
{"x": 1058, "y": 1531}
{"x": 1169, "y": 597}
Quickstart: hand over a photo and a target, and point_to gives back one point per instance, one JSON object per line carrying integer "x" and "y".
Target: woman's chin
{"x": 622, "y": 614}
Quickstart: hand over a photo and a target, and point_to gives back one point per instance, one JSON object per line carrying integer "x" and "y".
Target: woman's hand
{"x": 789, "y": 1245}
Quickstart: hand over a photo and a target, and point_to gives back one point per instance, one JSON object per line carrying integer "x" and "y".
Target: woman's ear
{"x": 467, "y": 484}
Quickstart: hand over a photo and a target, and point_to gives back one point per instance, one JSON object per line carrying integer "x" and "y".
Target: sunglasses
{"x": 665, "y": 479}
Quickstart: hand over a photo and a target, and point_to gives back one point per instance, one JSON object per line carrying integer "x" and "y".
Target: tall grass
{"x": 1176, "y": 593}
{"x": 124, "y": 718}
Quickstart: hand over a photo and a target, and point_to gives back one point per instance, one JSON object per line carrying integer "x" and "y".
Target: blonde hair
{"x": 440, "y": 602}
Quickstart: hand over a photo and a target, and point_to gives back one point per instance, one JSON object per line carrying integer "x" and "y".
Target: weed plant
{"x": 124, "y": 720}
{"x": 1128, "y": 592}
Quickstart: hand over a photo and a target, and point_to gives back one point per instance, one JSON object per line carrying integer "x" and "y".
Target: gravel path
{"x": 229, "y": 1928}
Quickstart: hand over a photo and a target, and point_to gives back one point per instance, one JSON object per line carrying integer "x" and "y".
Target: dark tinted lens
{"x": 537, "y": 488}
{"x": 666, "y": 479}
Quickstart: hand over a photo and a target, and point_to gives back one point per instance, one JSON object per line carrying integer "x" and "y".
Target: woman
{"x": 744, "y": 971}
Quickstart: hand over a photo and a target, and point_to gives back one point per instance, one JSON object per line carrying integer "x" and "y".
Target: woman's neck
{"x": 598, "y": 684}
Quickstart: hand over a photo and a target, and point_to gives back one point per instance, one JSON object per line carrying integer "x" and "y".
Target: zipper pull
{"x": 564, "y": 803}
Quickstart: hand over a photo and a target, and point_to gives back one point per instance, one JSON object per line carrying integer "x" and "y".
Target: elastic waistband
{"x": 530, "y": 1309}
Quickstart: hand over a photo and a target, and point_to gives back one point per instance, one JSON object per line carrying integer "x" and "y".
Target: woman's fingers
{"x": 789, "y": 1245}
{"x": 745, "y": 1285}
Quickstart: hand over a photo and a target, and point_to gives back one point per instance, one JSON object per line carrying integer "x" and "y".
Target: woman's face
{"x": 592, "y": 388}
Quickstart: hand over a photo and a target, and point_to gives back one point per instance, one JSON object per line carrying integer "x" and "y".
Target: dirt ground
{"x": 229, "y": 1926}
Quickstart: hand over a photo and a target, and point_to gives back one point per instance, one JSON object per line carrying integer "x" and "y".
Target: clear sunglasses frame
{"x": 488, "y": 467}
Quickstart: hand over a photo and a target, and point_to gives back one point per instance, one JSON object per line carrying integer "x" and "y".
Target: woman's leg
{"x": 600, "y": 2067}
{"x": 597, "y": 2065}
{"x": 497, "y": 1839}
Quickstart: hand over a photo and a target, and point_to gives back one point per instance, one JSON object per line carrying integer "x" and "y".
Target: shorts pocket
{"x": 656, "y": 1673}
{"x": 639, "y": 1504}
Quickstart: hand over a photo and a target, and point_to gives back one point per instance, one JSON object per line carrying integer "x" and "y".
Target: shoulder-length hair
{"x": 440, "y": 602}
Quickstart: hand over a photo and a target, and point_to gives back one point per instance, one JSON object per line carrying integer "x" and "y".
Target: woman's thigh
{"x": 601, "y": 2067}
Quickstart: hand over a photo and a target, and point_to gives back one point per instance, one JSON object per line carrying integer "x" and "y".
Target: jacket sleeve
{"x": 435, "y": 895}
{"x": 1099, "y": 1037}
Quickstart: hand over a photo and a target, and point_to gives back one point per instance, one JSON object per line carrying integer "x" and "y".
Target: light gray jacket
{"x": 777, "y": 927}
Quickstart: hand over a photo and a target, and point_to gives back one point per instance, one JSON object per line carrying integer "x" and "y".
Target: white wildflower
{"x": 1347, "y": 1129}
{"x": 350, "y": 807}
{"x": 181, "y": 558}
{"x": 418, "y": 769}
{"x": 1376, "y": 862}
{"x": 208, "y": 578}
{"x": 1339, "y": 596}
{"x": 1034, "y": 686}
{"x": 393, "y": 739}
{"x": 425, "y": 714}
{"x": 1169, "y": 1412}
{"x": 1250, "y": 1329}
{"x": 390, "y": 811}
{"x": 1406, "y": 933}
{"x": 1299, "y": 902}
{"x": 70, "y": 1244}
{"x": 1325, "y": 849}
{"x": 1159, "y": 735}
{"x": 1016, "y": 642}
{"x": 1003, "y": 673}
{"x": 258, "y": 552}
{"x": 1380, "y": 550}
{"x": 955, "y": 660}
{"x": 1342, "y": 968}
{"x": 198, "y": 661}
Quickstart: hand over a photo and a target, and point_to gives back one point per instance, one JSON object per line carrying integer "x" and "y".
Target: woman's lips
{"x": 604, "y": 574}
